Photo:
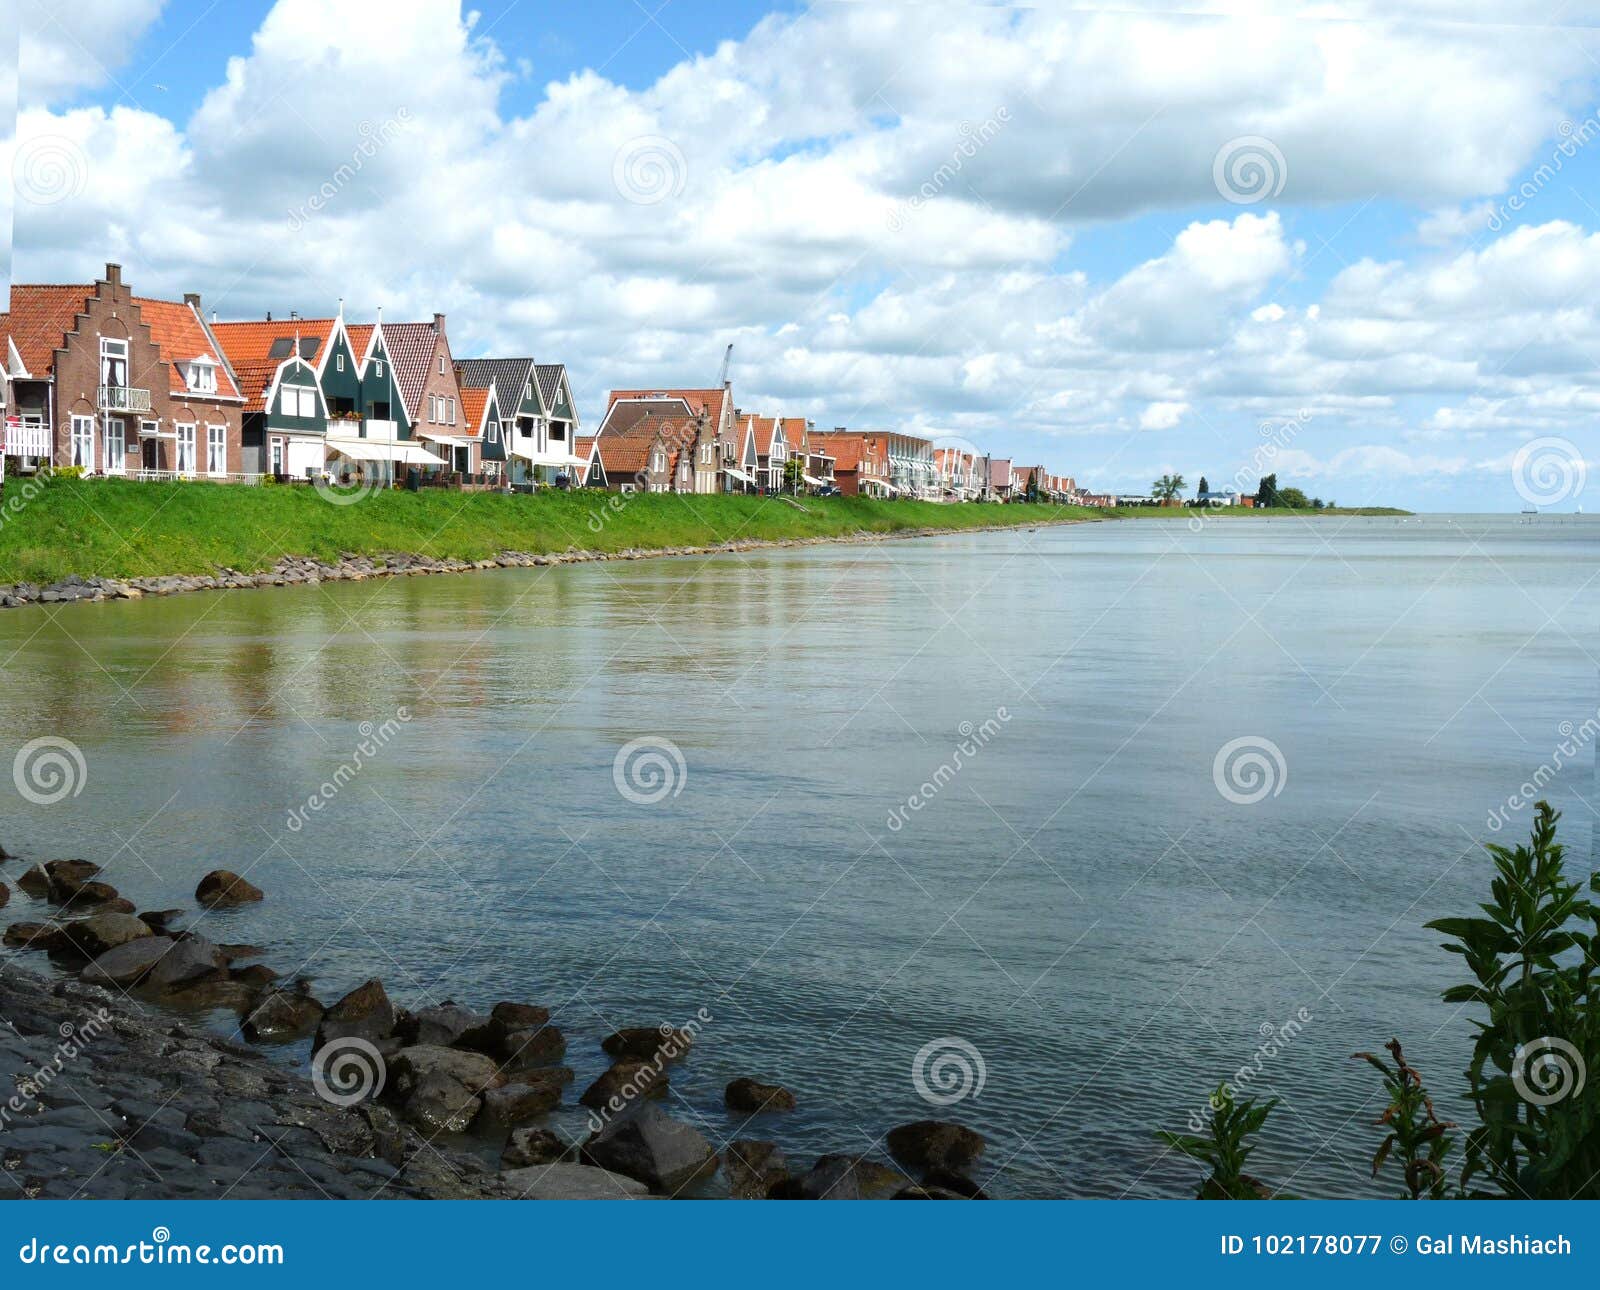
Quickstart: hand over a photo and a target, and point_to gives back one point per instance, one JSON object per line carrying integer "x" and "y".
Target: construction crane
{"x": 726, "y": 359}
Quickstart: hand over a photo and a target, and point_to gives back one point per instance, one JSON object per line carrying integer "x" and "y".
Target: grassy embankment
{"x": 113, "y": 528}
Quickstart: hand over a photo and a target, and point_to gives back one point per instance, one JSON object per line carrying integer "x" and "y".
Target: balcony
{"x": 25, "y": 439}
{"x": 123, "y": 398}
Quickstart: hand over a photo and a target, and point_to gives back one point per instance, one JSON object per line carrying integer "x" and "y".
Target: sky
{"x": 1356, "y": 245}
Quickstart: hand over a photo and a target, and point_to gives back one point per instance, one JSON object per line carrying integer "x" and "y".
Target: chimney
{"x": 294, "y": 315}
{"x": 438, "y": 323}
{"x": 114, "y": 274}
{"x": 269, "y": 315}
{"x": 192, "y": 299}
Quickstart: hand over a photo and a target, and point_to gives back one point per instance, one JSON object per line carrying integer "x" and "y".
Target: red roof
{"x": 39, "y": 320}
{"x": 248, "y": 347}
{"x": 696, "y": 399}
{"x": 410, "y": 347}
{"x": 765, "y": 428}
{"x": 180, "y": 336}
{"x": 474, "y": 403}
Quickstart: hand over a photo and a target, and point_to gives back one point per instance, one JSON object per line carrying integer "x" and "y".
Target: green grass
{"x": 120, "y": 529}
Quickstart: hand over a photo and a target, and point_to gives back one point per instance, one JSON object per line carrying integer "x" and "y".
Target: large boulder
{"x": 751, "y": 1097}
{"x": 5, "y": 895}
{"x": 624, "y": 1084}
{"x": 647, "y": 1043}
{"x": 258, "y": 976}
{"x": 846, "y": 1177}
{"x": 440, "y": 1089}
{"x": 34, "y": 881}
{"x": 223, "y": 888}
{"x": 32, "y": 936}
{"x": 935, "y": 1144}
{"x": 520, "y": 1016}
{"x": 90, "y": 893}
{"x": 650, "y": 1145}
{"x": 525, "y": 1096}
{"x": 527, "y": 1049}
{"x": 161, "y": 920}
{"x": 753, "y": 1168}
{"x": 364, "y": 1013}
{"x": 440, "y": 1026}
{"x": 572, "y": 1182}
{"x": 129, "y": 963}
{"x": 189, "y": 961}
{"x": 281, "y": 1016}
{"x": 94, "y": 935}
{"x": 66, "y": 876}
{"x": 534, "y": 1147}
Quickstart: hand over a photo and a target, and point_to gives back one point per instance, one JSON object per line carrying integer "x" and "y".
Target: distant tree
{"x": 1167, "y": 487}
{"x": 1267, "y": 491}
{"x": 1293, "y": 499}
{"x": 1204, "y": 487}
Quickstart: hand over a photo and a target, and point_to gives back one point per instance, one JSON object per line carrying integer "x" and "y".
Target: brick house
{"x": 126, "y": 385}
{"x": 715, "y": 466}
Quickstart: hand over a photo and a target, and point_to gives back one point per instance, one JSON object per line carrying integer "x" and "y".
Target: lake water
{"x": 1079, "y": 903}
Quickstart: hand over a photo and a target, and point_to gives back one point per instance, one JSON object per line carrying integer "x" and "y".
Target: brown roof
{"x": 625, "y": 454}
{"x": 623, "y": 414}
{"x": 410, "y": 348}
{"x": 846, "y": 449}
{"x": 696, "y": 399}
{"x": 248, "y": 348}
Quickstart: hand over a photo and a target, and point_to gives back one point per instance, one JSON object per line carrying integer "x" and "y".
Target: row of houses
{"x": 110, "y": 383}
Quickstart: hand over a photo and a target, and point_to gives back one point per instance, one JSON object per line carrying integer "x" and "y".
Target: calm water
{"x": 1078, "y": 902}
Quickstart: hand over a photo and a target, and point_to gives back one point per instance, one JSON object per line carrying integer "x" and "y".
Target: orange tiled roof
{"x": 179, "y": 335}
{"x": 40, "y": 317}
{"x": 248, "y": 348}
{"x": 474, "y": 403}
{"x": 765, "y": 428}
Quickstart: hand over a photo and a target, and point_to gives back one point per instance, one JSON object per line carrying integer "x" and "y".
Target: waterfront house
{"x": 816, "y": 463}
{"x": 771, "y": 453}
{"x": 480, "y": 414}
{"x": 419, "y": 354}
{"x": 539, "y": 445}
{"x": 1226, "y": 497}
{"x": 125, "y": 385}
{"x": 655, "y": 455}
{"x": 1000, "y": 481}
{"x": 859, "y": 470}
{"x": 715, "y": 465}
{"x": 593, "y": 474}
{"x": 561, "y": 417}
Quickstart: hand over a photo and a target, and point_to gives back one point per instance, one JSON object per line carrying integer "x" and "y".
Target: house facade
{"x": 110, "y": 383}
{"x": 716, "y": 463}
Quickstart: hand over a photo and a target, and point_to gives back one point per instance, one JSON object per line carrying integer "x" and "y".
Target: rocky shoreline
{"x": 297, "y": 570}
{"x": 109, "y": 1093}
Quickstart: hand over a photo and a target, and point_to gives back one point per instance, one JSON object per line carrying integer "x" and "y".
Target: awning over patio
{"x": 737, "y": 474}
{"x": 814, "y": 481}
{"x": 411, "y": 454}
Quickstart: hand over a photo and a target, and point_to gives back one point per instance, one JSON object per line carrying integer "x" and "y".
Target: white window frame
{"x": 304, "y": 398}
{"x": 338, "y": 362}
{"x": 116, "y": 446}
{"x": 277, "y": 455}
{"x": 377, "y": 367}
{"x": 81, "y": 443}
{"x": 202, "y": 378}
{"x": 451, "y": 402}
{"x": 184, "y": 448}
{"x": 216, "y": 449}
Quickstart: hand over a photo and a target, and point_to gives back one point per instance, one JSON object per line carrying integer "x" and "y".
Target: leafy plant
{"x": 1167, "y": 487}
{"x": 1226, "y": 1150}
{"x": 1532, "y": 958}
{"x": 1418, "y": 1139}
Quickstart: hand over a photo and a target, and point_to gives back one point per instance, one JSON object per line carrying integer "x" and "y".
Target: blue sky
{"x": 1075, "y": 290}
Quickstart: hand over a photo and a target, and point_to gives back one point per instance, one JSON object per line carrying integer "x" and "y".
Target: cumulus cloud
{"x": 882, "y": 207}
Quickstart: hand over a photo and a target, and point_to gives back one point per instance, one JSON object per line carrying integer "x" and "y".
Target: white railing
{"x": 170, "y": 476}
{"x": 29, "y": 439}
{"x": 124, "y": 398}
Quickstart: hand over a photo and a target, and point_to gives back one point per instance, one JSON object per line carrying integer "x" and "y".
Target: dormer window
{"x": 377, "y": 368}
{"x": 201, "y": 376}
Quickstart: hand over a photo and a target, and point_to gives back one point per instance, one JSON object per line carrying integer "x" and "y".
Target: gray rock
{"x": 572, "y": 1182}
{"x": 439, "y": 1088}
{"x": 525, "y": 1049}
{"x": 752, "y": 1097}
{"x": 282, "y": 1015}
{"x": 127, "y": 964}
{"x": 530, "y": 1094}
{"x": 648, "y": 1144}
{"x": 443, "y": 1025}
{"x": 94, "y": 935}
{"x": 364, "y": 1013}
{"x": 624, "y": 1084}
{"x": 534, "y": 1147}
{"x": 935, "y": 1144}
{"x": 753, "y": 1168}
{"x": 847, "y": 1177}
{"x": 646, "y": 1043}
{"x": 222, "y": 888}
{"x": 190, "y": 960}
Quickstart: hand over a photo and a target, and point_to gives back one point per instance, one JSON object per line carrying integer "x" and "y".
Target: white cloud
{"x": 1162, "y": 416}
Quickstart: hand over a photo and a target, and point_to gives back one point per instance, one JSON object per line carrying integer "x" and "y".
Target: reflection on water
{"x": 1072, "y": 896}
